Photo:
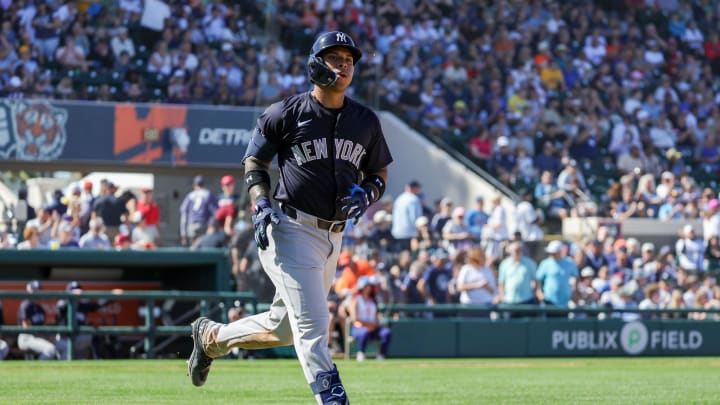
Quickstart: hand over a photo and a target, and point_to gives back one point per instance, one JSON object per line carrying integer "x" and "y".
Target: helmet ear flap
{"x": 319, "y": 73}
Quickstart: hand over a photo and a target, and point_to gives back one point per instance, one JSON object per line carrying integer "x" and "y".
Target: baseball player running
{"x": 333, "y": 160}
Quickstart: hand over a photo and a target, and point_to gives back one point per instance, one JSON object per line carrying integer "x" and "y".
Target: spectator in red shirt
{"x": 480, "y": 147}
{"x": 227, "y": 204}
{"x": 150, "y": 212}
{"x": 712, "y": 52}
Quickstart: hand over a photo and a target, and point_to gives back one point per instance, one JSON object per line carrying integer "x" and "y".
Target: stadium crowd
{"x": 614, "y": 106}
{"x": 604, "y": 99}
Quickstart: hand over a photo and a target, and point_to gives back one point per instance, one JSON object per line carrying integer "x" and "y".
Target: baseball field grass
{"x": 669, "y": 380}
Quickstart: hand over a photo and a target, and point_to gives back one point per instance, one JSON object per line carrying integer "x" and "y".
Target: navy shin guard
{"x": 330, "y": 388}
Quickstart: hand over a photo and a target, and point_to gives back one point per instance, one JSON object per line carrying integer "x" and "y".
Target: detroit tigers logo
{"x": 340, "y": 37}
{"x": 32, "y": 130}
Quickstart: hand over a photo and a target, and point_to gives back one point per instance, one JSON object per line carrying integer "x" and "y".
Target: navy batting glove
{"x": 355, "y": 204}
{"x": 264, "y": 215}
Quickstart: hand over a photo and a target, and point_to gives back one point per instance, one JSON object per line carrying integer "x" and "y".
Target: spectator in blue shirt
{"x": 547, "y": 160}
{"x": 549, "y": 197}
{"x": 516, "y": 278}
{"x": 476, "y": 218}
{"x": 196, "y": 211}
{"x": 554, "y": 276}
{"x": 434, "y": 284}
{"x": 672, "y": 208}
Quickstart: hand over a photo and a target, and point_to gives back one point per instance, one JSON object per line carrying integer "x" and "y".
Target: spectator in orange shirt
{"x": 353, "y": 270}
{"x": 552, "y": 77}
{"x": 346, "y": 285}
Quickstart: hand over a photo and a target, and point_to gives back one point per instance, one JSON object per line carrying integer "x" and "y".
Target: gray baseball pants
{"x": 42, "y": 347}
{"x": 300, "y": 260}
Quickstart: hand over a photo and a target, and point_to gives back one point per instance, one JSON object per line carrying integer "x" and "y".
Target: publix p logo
{"x": 634, "y": 337}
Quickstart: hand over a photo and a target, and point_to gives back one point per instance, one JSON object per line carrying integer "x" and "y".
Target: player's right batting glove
{"x": 264, "y": 215}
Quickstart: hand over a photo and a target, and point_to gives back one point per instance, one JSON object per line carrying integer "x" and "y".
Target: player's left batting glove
{"x": 264, "y": 215}
{"x": 355, "y": 204}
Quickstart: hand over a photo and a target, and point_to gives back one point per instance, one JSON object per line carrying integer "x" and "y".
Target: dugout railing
{"x": 208, "y": 303}
{"x": 523, "y": 327}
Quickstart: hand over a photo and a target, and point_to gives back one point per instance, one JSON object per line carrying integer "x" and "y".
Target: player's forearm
{"x": 374, "y": 184}
{"x": 257, "y": 189}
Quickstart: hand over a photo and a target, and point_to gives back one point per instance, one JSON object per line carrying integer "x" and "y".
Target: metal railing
{"x": 209, "y": 301}
{"x": 205, "y": 299}
{"x": 530, "y": 310}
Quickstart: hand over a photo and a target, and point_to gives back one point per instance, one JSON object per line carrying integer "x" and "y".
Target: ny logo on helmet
{"x": 340, "y": 37}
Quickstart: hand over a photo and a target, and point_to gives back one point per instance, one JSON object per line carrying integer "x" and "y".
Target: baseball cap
{"x": 414, "y": 183}
{"x": 648, "y": 247}
{"x": 673, "y": 153}
{"x": 363, "y": 282}
{"x": 713, "y": 204}
{"x": 381, "y": 216}
{"x": 227, "y": 179}
{"x": 458, "y": 212}
{"x": 15, "y": 81}
{"x": 625, "y": 291}
{"x": 503, "y": 141}
{"x": 587, "y": 271}
{"x": 33, "y": 285}
{"x": 422, "y": 221}
{"x": 687, "y": 229}
{"x": 87, "y": 185}
{"x": 73, "y": 285}
{"x": 665, "y": 250}
{"x": 439, "y": 253}
{"x": 554, "y": 247}
{"x": 199, "y": 180}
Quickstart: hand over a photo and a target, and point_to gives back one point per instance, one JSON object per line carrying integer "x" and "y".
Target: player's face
{"x": 340, "y": 60}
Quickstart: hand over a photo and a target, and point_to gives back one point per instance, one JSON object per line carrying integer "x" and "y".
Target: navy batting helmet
{"x": 318, "y": 72}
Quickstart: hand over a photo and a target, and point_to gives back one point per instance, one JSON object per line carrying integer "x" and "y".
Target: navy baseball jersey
{"x": 312, "y": 140}
{"x": 31, "y": 312}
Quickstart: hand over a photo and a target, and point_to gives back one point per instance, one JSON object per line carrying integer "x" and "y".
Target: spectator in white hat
{"x": 689, "y": 250}
{"x": 554, "y": 279}
{"x": 647, "y": 255}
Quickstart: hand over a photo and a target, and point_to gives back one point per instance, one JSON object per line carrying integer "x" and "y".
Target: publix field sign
{"x": 617, "y": 338}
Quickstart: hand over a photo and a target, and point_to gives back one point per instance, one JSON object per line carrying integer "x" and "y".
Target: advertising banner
{"x": 554, "y": 338}
{"x": 618, "y": 338}
{"x": 145, "y": 134}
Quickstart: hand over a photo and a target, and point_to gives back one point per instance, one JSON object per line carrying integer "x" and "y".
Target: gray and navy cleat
{"x": 199, "y": 362}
